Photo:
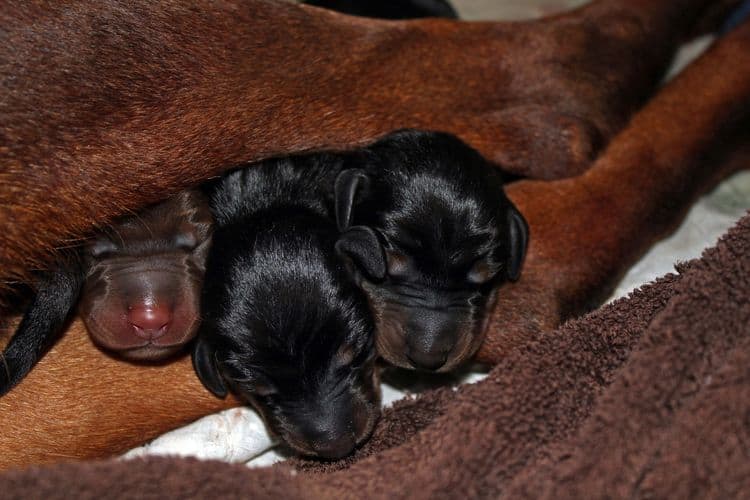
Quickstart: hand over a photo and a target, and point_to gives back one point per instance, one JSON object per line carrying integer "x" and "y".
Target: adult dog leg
{"x": 108, "y": 106}
{"x": 586, "y": 231}
{"x": 81, "y": 403}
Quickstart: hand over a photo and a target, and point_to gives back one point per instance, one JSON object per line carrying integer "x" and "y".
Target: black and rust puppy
{"x": 137, "y": 284}
{"x": 448, "y": 235}
{"x": 284, "y": 325}
{"x": 389, "y": 9}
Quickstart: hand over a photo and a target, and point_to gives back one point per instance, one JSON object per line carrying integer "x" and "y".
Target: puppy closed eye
{"x": 256, "y": 386}
{"x": 345, "y": 355}
{"x": 185, "y": 241}
{"x": 398, "y": 263}
{"x": 263, "y": 389}
{"x": 482, "y": 271}
{"x": 252, "y": 381}
{"x": 103, "y": 248}
{"x": 352, "y": 357}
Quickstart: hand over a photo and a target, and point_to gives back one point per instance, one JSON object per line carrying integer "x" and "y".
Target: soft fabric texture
{"x": 646, "y": 397}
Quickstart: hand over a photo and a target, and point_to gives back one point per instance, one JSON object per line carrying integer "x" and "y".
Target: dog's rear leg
{"x": 586, "y": 231}
{"x": 80, "y": 403}
{"x": 99, "y": 123}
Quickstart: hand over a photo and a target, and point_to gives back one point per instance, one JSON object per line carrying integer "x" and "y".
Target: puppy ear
{"x": 518, "y": 239}
{"x": 204, "y": 364}
{"x": 361, "y": 244}
{"x": 348, "y": 183}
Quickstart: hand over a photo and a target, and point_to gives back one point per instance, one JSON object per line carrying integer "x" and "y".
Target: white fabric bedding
{"x": 238, "y": 435}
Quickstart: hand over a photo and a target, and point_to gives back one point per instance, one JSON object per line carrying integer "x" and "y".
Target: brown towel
{"x": 648, "y": 397}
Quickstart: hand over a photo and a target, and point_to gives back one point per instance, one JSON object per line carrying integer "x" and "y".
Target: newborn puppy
{"x": 389, "y": 9}
{"x": 141, "y": 295}
{"x": 448, "y": 236}
{"x": 139, "y": 287}
{"x": 284, "y": 325}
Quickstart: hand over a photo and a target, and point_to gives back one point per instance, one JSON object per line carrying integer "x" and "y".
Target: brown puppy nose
{"x": 149, "y": 321}
{"x": 430, "y": 338}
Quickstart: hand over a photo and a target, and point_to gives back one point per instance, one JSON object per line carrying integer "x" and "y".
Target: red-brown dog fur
{"x": 588, "y": 230}
{"x": 108, "y": 106}
{"x": 80, "y": 404}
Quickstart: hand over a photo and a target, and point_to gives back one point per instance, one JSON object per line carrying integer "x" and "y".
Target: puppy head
{"x": 448, "y": 237}
{"x": 141, "y": 296}
{"x": 286, "y": 328}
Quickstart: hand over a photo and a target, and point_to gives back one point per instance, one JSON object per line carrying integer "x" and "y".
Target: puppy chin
{"x": 339, "y": 448}
{"x": 138, "y": 349}
{"x": 391, "y": 346}
{"x": 365, "y": 415}
{"x": 116, "y": 336}
{"x": 150, "y": 353}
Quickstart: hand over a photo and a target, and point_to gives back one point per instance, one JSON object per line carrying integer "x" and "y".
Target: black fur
{"x": 389, "y": 9}
{"x": 284, "y": 325}
{"x": 56, "y": 297}
{"x": 448, "y": 235}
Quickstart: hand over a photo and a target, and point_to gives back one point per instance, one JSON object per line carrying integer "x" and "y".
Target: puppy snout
{"x": 335, "y": 430}
{"x": 430, "y": 361}
{"x": 327, "y": 437}
{"x": 149, "y": 321}
{"x": 430, "y": 338}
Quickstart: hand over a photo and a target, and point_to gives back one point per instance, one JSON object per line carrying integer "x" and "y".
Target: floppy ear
{"x": 518, "y": 239}
{"x": 361, "y": 244}
{"x": 204, "y": 364}
{"x": 348, "y": 183}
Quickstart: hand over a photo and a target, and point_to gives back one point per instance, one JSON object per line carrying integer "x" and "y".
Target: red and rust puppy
{"x": 448, "y": 238}
{"x": 139, "y": 287}
{"x": 144, "y": 275}
{"x": 284, "y": 325}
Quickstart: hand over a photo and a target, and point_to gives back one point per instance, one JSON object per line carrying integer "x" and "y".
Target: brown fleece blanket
{"x": 648, "y": 397}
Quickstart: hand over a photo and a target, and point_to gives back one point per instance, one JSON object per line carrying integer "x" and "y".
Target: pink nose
{"x": 149, "y": 321}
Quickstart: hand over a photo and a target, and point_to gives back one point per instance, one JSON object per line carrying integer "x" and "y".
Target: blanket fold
{"x": 646, "y": 397}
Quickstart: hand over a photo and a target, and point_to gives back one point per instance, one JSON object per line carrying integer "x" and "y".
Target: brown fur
{"x": 141, "y": 293}
{"x": 587, "y": 231}
{"x": 108, "y": 106}
{"x": 80, "y": 404}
